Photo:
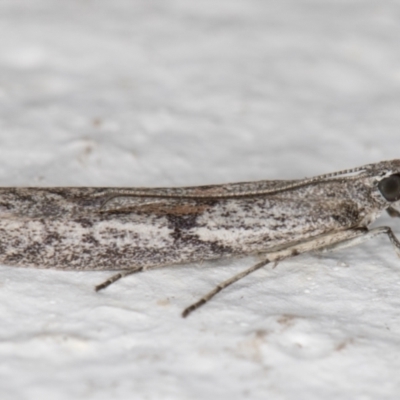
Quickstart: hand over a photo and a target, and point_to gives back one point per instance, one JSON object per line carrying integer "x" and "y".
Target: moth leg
{"x": 323, "y": 243}
{"x": 393, "y": 212}
{"x": 221, "y": 286}
{"x": 364, "y": 236}
{"x": 117, "y": 277}
{"x": 287, "y": 252}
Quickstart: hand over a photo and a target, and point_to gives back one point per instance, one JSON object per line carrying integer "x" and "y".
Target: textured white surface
{"x": 184, "y": 92}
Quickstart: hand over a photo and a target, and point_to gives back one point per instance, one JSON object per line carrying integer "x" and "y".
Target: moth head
{"x": 385, "y": 184}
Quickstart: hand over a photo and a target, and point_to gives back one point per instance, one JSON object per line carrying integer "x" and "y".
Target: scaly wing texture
{"x": 71, "y": 228}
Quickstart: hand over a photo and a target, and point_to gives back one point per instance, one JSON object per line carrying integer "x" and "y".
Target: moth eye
{"x": 390, "y": 188}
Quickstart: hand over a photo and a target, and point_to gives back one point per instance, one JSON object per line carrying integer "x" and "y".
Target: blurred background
{"x": 185, "y": 92}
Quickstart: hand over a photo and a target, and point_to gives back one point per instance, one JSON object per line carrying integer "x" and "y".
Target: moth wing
{"x": 127, "y": 204}
{"x": 130, "y": 199}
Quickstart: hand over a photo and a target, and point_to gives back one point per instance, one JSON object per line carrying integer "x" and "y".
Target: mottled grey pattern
{"x": 123, "y": 228}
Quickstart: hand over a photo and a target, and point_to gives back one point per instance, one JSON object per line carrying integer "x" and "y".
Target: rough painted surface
{"x": 178, "y": 93}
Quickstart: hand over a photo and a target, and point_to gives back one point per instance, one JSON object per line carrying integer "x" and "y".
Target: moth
{"x": 134, "y": 229}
